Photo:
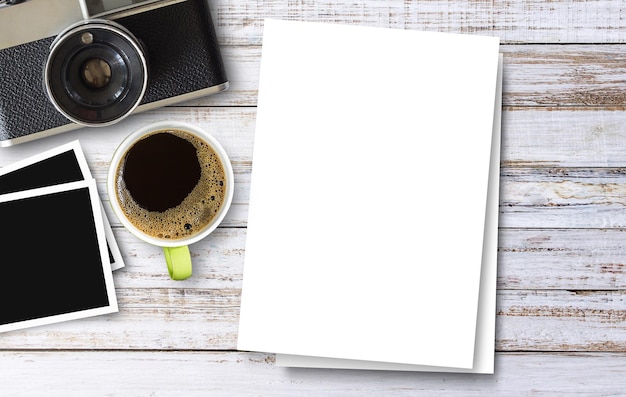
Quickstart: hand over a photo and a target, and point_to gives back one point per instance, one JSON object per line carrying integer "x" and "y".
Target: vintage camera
{"x": 110, "y": 59}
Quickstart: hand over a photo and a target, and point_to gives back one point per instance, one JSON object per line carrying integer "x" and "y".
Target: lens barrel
{"x": 96, "y": 73}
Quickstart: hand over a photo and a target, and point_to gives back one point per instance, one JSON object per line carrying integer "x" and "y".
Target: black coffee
{"x": 160, "y": 171}
{"x": 170, "y": 184}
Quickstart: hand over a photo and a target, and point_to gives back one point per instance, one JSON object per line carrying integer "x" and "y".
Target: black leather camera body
{"x": 98, "y": 70}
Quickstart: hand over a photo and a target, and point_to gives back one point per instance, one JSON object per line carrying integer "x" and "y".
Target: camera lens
{"x": 96, "y": 73}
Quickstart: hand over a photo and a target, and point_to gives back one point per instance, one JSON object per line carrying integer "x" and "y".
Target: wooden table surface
{"x": 561, "y": 310}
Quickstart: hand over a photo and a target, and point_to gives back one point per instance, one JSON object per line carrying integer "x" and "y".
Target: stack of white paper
{"x": 371, "y": 170}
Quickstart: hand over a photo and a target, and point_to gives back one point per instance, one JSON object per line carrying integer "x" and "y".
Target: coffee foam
{"x": 195, "y": 212}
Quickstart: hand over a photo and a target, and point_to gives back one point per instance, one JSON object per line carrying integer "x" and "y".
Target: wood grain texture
{"x": 535, "y": 137}
{"x": 523, "y": 21}
{"x": 561, "y": 168}
{"x": 559, "y": 290}
{"x": 186, "y": 374}
{"x": 562, "y": 259}
{"x": 581, "y": 75}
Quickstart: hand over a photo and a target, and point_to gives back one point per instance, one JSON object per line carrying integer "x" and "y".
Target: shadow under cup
{"x": 171, "y": 184}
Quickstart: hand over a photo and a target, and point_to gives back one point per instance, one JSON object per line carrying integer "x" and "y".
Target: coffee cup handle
{"x": 178, "y": 262}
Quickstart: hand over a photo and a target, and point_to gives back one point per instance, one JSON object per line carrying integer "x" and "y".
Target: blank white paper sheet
{"x": 368, "y": 194}
{"x": 484, "y": 344}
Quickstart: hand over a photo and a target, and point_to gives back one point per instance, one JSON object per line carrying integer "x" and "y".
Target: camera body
{"x": 121, "y": 57}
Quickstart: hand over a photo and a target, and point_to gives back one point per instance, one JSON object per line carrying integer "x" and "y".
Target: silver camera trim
{"x": 35, "y": 20}
{"x": 86, "y": 25}
{"x": 120, "y": 12}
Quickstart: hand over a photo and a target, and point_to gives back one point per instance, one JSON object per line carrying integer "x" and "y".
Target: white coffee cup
{"x": 176, "y": 250}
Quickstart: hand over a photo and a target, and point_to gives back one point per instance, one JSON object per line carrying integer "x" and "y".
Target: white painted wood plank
{"x": 531, "y": 137}
{"x": 202, "y": 313}
{"x": 149, "y": 318}
{"x": 549, "y": 320}
{"x": 566, "y": 259}
{"x": 173, "y": 319}
{"x": 569, "y": 259}
{"x": 563, "y": 198}
{"x": 572, "y": 75}
{"x": 252, "y": 374}
{"x": 527, "y": 21}
{"x": 539, "y": 188}
{"x": 563, "y": 137}
{"x": 534, "y": 75}
{"x": 217, "y": 263}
